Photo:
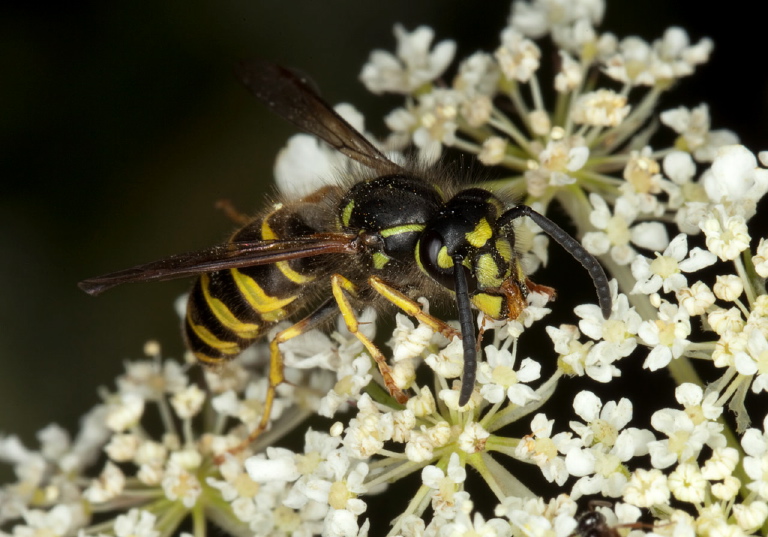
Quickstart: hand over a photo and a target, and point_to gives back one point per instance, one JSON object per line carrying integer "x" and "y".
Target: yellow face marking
{"x": 224, "y": 347}
{"x": 487, "y": 272}
{"x": 270, "y": 308}
{"x": 379, "y": 260}
{"x": 496, "y": 205}
{"x": 224, "y": 316}
{"x": 480, "y": 235}
{"x": 504, "y": 249}
{"x": 443, "y": 259}
{"x": 346, "y": 214}
{"x": 402, "y": 229}
{"x": 520, "y": 274}
{"x": 491, "y": 305}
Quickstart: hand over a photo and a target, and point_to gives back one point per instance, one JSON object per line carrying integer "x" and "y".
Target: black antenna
{"x": 572, "y": 246}
{"x": 466, "y": 322}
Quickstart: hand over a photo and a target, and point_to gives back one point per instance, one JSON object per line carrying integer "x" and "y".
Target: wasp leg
{"x": 323, "y": 313}
{"x": 537, "y": 288}
{"x": 412, "y": 308}
{"x": 230, "y": 211}
{"x": 342, "y": 288}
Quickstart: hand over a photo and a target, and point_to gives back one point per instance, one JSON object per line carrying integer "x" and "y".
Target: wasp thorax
{"x": 395, "y": 207}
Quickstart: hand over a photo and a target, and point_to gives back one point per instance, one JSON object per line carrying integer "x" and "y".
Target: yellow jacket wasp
{"x": 393, "y": 235}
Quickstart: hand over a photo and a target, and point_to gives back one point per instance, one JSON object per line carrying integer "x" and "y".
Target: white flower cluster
{"x": 671, "y": 226}
{"x": 165, "y": 477}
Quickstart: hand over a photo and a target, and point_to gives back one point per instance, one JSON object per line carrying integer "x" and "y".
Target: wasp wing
{"x": 226, "y": 256}
{"x": 292, "y": 97}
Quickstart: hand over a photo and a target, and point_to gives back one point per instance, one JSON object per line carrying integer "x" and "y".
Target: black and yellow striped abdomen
{"x": 230, "y": 309}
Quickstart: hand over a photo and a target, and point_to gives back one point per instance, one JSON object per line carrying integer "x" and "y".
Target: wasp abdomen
{"x": 229, "y": 309}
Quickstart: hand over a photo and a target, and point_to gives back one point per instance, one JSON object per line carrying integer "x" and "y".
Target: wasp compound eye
{"x": 435, "y": 259}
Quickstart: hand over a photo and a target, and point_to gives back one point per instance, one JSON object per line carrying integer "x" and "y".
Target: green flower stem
{"x": 399, "y": 470}
{"x": 416, "y": 506}
{"x": 198, "y": 521}
{"x": 613, "y": 138}
{"x": 498, "y": 478}
{"x": 741, "y": 270}
{"x": 170, "y": 518}
{"x": 499, "y": 121}
{"x": 513, "y": 412}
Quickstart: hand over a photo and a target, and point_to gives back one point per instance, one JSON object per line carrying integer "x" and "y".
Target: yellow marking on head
{"x": 443, "y": 259}
{"x": 406, "y": 228}
{"x": 504, "y": 249}
{"x": 206, "y": 336}
{"x": 270, "y": 308}
{"x": 487, "y": 272}
{"x": 224, "y": 316}
{"x": 346, "y": 214}
{"x": 379, "y": 260}
{"x": 491, "y": 305}
{"x": 480, "y": 235}
{"x": 496, "y": 203}
{"x": 519, "y": 272}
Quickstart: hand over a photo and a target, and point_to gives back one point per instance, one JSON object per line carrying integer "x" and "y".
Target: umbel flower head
{"x": 581, "y": 139}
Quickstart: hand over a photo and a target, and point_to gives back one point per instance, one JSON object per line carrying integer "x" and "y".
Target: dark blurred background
{"x": 121, "y": 124}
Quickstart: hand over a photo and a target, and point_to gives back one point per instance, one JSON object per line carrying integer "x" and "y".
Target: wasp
{"x": 390, "y": 236}
{"x": 594, "y": 524}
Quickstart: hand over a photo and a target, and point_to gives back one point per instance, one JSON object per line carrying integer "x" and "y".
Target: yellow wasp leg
{"x": 276, "y": 377}
{"x": 411, "y": 307}
{"x": 341, "y": 288}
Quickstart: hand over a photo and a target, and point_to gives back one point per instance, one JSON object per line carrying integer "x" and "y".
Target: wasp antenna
{"x": 572, "y": 246}
{"x": 466, "y": 322}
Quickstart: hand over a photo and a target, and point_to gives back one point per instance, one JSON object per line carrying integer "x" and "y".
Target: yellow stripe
{"x": 491, "y": 305}
{"x": 270, "y": 308}
{"x": 417, "y": 256}
{"x": 379, "y": 260}
{"x": 496, "y": 205}
{"x": 480, "y": 235}
{"x": 504, "y": 249}
{"x": 295, "y": 277}
{"x": 210, "y": 360}
{"x": 224, "y": 347}
{"x": 443, "y": 259}
{"x": 486, "y": 271}
{"x": 268, "y": 234}
{"x": 347, "y": 213}
{"x": 224, "y": 316}
{"x": 401, "y": 229}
